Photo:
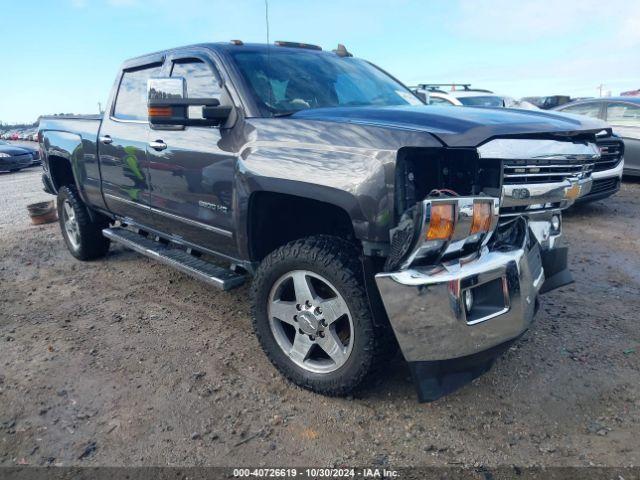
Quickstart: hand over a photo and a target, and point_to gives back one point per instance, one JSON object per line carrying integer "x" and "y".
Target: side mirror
{"x": 169, "y": 108}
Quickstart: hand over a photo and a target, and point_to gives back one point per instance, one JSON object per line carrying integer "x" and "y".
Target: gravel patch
{"x": 124, "y": 361}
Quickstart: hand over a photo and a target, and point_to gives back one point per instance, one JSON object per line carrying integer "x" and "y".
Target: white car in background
{"x": 433, "y": 94}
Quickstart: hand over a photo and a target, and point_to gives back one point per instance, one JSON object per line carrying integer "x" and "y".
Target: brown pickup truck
{"x": 364, "y": 219}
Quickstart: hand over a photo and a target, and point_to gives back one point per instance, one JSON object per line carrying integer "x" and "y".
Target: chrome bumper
{"x": 426, "y": 305}
{"x": 540, "y": 225}
{"x": 562, "y": 194}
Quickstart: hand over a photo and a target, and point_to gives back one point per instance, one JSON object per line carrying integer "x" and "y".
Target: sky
{"x": 63, "y": 55}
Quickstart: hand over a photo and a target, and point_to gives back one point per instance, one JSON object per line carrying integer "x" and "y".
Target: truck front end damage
{"x": 468, "y": 262}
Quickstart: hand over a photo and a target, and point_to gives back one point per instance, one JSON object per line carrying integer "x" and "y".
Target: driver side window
{"x": 201, "y": 81}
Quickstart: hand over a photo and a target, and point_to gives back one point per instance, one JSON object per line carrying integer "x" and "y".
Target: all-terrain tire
{"x": 339, "y": 262}
{"x": 89, "y": 242}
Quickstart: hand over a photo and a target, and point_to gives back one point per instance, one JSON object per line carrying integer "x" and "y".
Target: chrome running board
{"x": 174, "y": 257}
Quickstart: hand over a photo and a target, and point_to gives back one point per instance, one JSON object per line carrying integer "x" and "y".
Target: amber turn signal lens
{"x": 442, "y": 221}
{"x": 160, "y": 111}
{"x": 481, "y": 222}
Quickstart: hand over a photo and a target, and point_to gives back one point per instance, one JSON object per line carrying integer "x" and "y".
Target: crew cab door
{"x": 122, "y": 145}
{"x": 192, "y": 169}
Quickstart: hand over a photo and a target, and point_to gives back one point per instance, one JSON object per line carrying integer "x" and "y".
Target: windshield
{"x": 484, "y": 101}
{"x": 283, "y": 82}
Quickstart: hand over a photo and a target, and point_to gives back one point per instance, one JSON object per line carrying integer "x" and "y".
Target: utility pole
{"x": 99, "y": 107}
{"x": 599, "y": 88}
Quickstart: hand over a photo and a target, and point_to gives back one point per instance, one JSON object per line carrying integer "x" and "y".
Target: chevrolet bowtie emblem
{"x": 572, "y": 192}
{"x": 520, "y": 193}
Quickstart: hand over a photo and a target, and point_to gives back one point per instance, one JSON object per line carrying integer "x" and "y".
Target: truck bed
{"x": 85, "y": 125}
{"x": 73, "y": 139}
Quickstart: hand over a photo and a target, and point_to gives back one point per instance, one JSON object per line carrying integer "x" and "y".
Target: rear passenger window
{"x": 131, "y": 101}
{"x": 623, "y": 114}
{"x": 201, "y": 81}
{"x": 588, "y": 109}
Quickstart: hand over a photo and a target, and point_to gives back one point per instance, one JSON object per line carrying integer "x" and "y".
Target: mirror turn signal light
{"x": 441, "y": 222}
{"x": 481, "y": 220}
{"x": 160, "y": 111}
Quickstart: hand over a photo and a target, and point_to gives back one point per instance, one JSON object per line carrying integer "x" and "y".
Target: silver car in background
{"x": 623, "y": 114}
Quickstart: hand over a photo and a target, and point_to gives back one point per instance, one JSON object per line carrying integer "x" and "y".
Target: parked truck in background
{"x": 365, "y": 219}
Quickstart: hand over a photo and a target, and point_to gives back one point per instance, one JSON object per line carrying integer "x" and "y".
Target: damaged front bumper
{"x": 465, "y": 307}
{"x": 449, "y": 339}
{"x": 426, "y": 306}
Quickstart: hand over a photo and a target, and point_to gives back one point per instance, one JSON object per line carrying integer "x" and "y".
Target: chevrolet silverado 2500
{"x": 365, "y": 219}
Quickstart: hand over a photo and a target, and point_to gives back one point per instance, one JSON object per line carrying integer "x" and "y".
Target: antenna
{"x": 266, "y": 17}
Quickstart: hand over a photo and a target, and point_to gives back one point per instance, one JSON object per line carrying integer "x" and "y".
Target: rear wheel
{"x": 82, "y": 234}
{"x": 312, "y": 317}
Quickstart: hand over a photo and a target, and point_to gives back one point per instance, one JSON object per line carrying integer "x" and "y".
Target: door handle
{"x": 158, "y": 145}
{"x": 106, "y": 139}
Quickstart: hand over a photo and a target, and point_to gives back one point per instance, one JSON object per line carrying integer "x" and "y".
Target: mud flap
{"x": 556, "y": 269}
{"x": 434, "y": 380}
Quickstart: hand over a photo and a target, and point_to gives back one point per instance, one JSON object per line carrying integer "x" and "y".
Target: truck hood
{"x": 459, "y": 126}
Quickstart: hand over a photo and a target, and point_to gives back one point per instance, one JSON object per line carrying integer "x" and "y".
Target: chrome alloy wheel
{"x": 71, "y": 224}
{"x": 310, "y": 321}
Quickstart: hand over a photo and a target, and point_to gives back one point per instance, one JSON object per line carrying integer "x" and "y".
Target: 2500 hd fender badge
{"x": 214, "y": 206}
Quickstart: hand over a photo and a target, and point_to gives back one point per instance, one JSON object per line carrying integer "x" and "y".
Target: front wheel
{"x": 82, "y": 234}
{"x": 312, "y": 317}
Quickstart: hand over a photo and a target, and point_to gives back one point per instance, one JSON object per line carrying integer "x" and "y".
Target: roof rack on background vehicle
{"x": 436, "y": 87}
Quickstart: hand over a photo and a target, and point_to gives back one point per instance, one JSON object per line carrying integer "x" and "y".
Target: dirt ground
{"x": 126, "y": 362}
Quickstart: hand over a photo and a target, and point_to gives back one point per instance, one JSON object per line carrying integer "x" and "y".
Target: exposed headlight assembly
{"x": 440, "y": 228}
